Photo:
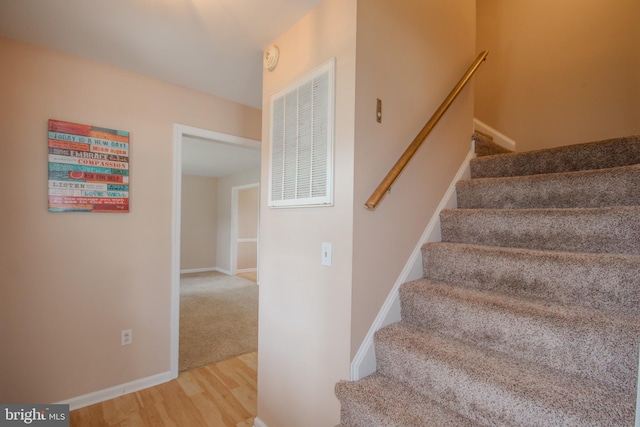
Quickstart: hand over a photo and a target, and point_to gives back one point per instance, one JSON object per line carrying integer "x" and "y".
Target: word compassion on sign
{"x": 88, "y": 168}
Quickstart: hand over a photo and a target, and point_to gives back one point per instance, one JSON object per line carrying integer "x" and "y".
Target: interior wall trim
{"x": 198, "y": 270}
{"x": 498, "y": 137}
{"x": 257, "y": 422}
{"x": 116, "y": 391}
{"x": 364, "y": 362}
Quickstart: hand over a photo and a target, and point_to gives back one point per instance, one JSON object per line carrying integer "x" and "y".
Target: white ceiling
{"x": 213, "y": 46}
{"x": 207, "y": 157}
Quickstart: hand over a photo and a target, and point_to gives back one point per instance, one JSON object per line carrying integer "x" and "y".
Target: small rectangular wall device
{"x": 326, "y": 254}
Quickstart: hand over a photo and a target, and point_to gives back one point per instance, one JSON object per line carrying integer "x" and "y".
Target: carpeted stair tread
{"x": 593, "y": 155}
{"x": 602, "y": 281}
{"x": 608, "y": 229}
{"x": 380, "y": 401}
{"x": 493, "y": 388}
{"x": 576, "y": 340}
{"x": 583, "y": 189}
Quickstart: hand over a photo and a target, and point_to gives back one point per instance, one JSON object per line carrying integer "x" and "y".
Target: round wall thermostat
{"x": 271, "y": 57}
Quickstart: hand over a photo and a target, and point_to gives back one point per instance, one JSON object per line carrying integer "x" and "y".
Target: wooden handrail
{"x": 387, "y": 182}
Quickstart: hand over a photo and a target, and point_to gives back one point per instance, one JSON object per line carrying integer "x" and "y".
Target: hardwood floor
{"x": 222, "y": 394}
{"x": 252, "y": 275}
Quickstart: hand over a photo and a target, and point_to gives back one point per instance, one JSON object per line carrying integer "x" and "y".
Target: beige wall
{"x": 313, "y": 318}
{"x": 225, "y": 184}
{"x": 248, "y": 200}
{"x": 71, "y": 282}
{"x": 304, "y": 307}
{"x": 198, "y": 220}
{"x": 559, "y": 72}
{"x": 247, "y": 255}
{"x": 410, "y": 55}
{"x": 205, "y": 240}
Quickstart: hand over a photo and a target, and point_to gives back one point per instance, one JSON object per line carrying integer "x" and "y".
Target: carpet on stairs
{"x": 528, "y": 313}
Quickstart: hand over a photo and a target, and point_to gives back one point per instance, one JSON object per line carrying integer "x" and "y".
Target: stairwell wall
{"x": 409, "y": 55}
{"x": 313, "y": 318}
{"x": 559, "y": 73}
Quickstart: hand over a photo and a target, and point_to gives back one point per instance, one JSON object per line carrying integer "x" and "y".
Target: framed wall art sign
{"x": 88, "y": 168}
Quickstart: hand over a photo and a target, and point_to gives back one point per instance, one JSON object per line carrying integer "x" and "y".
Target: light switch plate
{"x": 326, "y": 254}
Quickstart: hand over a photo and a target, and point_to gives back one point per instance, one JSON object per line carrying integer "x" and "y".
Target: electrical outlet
{"x": 126, "y": 337}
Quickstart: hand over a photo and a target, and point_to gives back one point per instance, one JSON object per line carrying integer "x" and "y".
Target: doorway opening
{"x": 212, "y": 150}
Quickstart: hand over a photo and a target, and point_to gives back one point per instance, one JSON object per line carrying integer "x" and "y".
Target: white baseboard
{"x": 499, "y": 138}
{"x": 637, "y": 399}
{"x": 116, "y": 391}
{"x": 364, "y": 362}
{"x": 198, "y": 270}
{"x": 206, "y": 269}
{"x": 257, "y": 422}
{"x": 246, "y": 270}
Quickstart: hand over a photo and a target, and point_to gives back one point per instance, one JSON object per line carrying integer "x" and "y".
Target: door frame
{"x": 180, "y": 131}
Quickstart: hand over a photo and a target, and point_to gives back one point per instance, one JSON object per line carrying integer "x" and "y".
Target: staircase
{"x": 529, "y": 310}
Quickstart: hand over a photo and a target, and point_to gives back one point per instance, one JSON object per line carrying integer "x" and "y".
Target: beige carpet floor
{"x": 218, "y": 318}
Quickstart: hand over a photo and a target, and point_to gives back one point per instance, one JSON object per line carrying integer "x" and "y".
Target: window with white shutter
{"x": 302, "y": 117}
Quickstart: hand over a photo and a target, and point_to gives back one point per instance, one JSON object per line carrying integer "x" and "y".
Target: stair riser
{"x": 591, "y": 189}
{"x": 603, "y": 154}
{"x": 487, "y": 396}
{"x": 483, "y": 405}
{"x": 381, "y": 401}
{"x": 603, "y": 281}
{"x": 485, "y": 146}
{"x": 600, "y": 230}
{"x": 354, "y": 414}
{"x": 597, "y": 351}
